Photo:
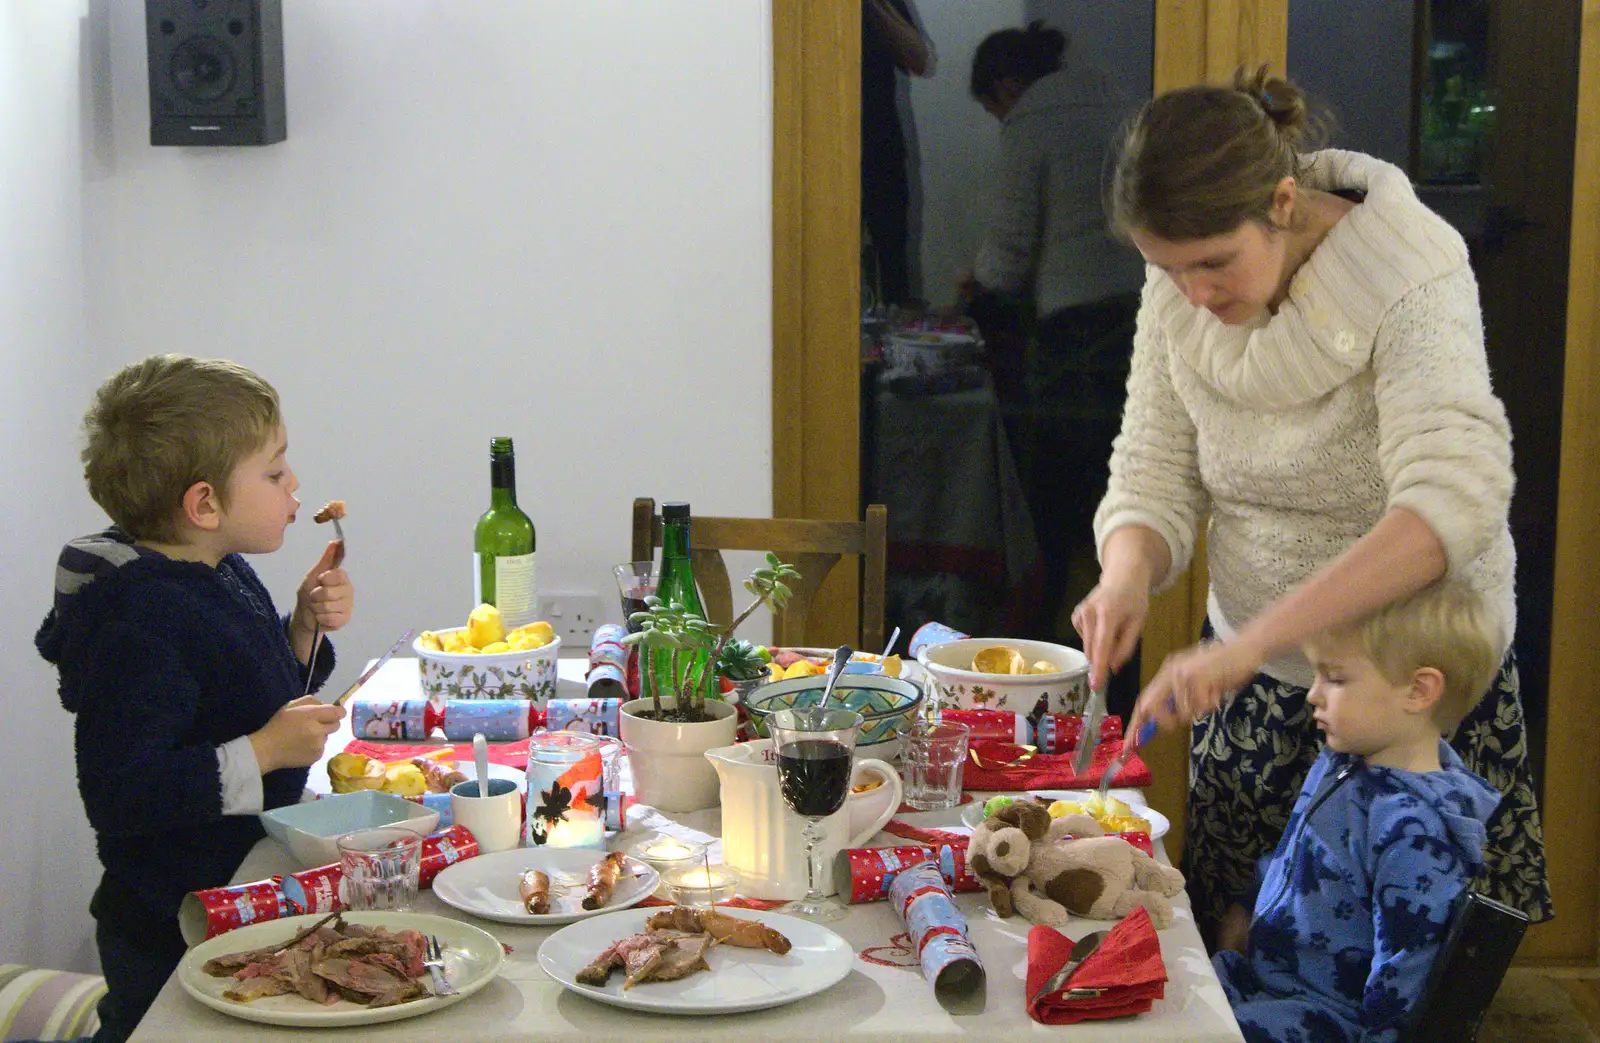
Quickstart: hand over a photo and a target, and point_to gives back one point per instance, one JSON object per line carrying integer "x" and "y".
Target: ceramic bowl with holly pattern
{"x": 529, "y": 674}
{"x": 956, "y": 684}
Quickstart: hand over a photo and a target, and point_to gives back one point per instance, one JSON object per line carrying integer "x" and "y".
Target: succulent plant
{"x": 671, "y": 629}
{"x": 741, "y": 661}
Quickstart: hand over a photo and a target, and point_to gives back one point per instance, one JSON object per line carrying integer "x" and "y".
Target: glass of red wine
{"x": 815, "y": 747}
{"x": 636, "y": 580}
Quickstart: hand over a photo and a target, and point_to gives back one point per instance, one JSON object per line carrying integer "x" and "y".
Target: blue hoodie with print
{"x": 1356, "y": 900}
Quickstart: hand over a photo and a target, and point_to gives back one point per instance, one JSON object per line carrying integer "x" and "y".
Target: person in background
{"x": 1047, "y": 232}
{"x": 1308, "y": 380}
{"x": 891, "y": 44}
{"x": 1354, "y": 904}
{"x": 187, "y": 686}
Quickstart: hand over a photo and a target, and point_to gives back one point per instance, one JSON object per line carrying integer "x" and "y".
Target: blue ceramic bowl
{"x": 311, "y": 830}
{"x": 886, "y": 705}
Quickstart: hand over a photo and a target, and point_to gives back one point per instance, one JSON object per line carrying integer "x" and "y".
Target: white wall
{"x": 543, "y": 219}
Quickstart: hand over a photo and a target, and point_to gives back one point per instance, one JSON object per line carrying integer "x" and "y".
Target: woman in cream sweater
{"x": 1309, "y": 381}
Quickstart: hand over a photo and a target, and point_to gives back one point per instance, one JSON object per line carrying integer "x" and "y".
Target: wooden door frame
{"x": 816, "y": 373}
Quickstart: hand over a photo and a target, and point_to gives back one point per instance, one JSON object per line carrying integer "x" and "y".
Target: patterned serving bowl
{"x": 886, "y": 705}
{"x": 529, "y": 674}
{"x": 956, "y": 685}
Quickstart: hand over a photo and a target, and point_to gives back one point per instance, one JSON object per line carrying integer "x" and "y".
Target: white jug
{"x": 763, "y": 839}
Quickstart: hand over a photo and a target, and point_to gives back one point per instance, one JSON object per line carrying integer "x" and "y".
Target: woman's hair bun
{"x": 1282, "y": 102}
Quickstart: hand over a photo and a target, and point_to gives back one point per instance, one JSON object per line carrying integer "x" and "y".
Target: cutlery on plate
{"x": 366, "y": 675}
{"x": 433, "y": 959}
{"x": 1081, "y": 950}
{"x": 893, "y": 637}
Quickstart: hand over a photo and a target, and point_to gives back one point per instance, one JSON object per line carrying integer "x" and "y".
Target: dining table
{"x": 883, "y": 998}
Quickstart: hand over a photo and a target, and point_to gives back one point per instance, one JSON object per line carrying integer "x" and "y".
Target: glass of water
{"x": 932, "y": 754}
{"x": 380, "y": 868}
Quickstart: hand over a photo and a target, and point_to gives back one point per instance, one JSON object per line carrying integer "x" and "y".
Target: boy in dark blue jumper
{"x": 1387, "y": 833}
{"x": 186, "y": 683}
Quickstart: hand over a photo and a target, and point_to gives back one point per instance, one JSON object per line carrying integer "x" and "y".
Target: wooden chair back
{"x": 812, "y": 546}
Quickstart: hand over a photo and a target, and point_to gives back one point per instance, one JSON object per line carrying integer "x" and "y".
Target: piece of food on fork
{"x": 535, "y": 891}
{"x": 331, "y": 511}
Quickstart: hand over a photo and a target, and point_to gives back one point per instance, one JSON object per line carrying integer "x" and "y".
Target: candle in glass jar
{"x": 665, "y": 852}
{"x": 703, "y": 879}
{"x": 702, "y": 885}
{"x": 579, "y": 832}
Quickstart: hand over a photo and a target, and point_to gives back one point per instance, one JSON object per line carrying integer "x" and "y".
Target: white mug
{"x": 495, "y": 821}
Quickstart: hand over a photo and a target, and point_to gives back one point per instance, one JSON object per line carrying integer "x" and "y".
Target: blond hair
{"x": 1443, "y": 626}
{"x": 1201, "y": 161}
{"x": 161, "y": 425}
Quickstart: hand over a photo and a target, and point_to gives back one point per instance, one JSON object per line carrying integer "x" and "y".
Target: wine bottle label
{"x": 514, "y": 589}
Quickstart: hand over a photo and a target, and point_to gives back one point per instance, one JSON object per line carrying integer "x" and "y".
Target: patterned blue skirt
{"x": 1247, "y": 762}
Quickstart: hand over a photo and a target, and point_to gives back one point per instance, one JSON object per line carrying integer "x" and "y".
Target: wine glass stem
{"x": 813, "y": 830}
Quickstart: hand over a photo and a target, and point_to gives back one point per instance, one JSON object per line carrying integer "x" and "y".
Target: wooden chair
{"x": 814, "y": 547}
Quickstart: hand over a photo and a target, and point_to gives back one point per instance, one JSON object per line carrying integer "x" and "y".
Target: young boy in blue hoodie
{"x": 1388, "y": 831}
{"x": 187, "y": 685}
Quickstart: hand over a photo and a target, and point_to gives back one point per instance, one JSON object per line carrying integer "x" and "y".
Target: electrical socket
{"x": 574, "y": 615}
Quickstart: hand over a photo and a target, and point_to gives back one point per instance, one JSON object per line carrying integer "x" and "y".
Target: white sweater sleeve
{"x": 1155, "y": 472}
{"x": 1443, "y": 439}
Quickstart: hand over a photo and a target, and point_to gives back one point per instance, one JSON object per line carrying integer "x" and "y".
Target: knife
{"x": 366, "y": 675}
{"x": 1091, "y": 731}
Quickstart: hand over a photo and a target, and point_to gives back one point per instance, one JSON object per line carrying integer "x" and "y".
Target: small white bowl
{"x": 949, "y": 668}
{"x": 527, "y": 675}
{"x": 310, "y": 830}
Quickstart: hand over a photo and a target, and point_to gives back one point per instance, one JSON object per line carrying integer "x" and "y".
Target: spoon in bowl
{"x": 841, "y": 656}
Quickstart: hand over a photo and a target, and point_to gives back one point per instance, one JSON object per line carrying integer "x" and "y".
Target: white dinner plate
{"x": 487, "y": 886}
{"x": 972, "y": 814}
{"x": 472, "y": 957}
{"x": 739, "y": 979}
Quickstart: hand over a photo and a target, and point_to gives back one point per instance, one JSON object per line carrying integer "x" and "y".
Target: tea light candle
{"x": 577, "y": 832}
{"x": 702, "y": 885}
{"x": 663, "y": 852}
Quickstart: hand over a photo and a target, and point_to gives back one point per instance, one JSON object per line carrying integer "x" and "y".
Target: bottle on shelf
{"x": 677, "y": 583}
{"x": 503, "y": 543}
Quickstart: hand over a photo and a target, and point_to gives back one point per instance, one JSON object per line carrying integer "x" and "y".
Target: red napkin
{"x": 511, "y": 754}
{"x": 984, "y": 770}
{"x": 1127, "y": 966}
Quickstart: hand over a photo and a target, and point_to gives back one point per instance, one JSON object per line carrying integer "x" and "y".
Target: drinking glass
{"x": 636, "y": 580}
{"x": 380, "y": 868}
{"x": 933, "y": 754}
{"x": 815, "y": 750}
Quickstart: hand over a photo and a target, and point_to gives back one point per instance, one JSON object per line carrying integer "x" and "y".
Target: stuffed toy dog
{"x": 1021, "y": 855}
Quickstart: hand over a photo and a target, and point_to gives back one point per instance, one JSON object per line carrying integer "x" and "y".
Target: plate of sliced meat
{"x": 343, "y": 969}
{"x": 679, "y": 960}
{"x": 541, "y": 886}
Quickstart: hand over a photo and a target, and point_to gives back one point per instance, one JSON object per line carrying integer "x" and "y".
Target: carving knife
{"x": 1091, "y": 731}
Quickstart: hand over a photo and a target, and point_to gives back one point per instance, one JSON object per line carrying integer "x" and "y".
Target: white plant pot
{"x": 670, "y": 771}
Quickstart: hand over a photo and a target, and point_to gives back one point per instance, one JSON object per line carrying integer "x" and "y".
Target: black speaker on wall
{"x": 216, "y": 72}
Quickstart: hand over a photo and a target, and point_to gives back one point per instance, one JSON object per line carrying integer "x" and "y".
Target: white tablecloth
{"x": 875, "y": 1002}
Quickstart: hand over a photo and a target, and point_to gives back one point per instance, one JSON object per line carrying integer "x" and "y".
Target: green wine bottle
{"x": 503, "y": 543}
{"x": 677, "y": 584}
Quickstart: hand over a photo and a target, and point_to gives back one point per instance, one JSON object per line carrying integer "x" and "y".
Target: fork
{"x": 433, "y": 959}
{"x": 316, "y": 633}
